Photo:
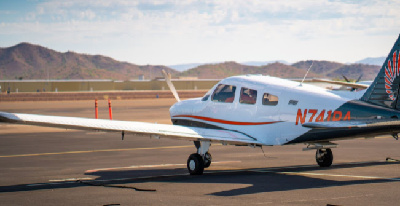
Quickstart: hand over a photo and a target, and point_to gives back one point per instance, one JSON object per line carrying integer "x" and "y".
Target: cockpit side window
{"x": 248, "y": 96}
{"x": 224, "y": 93}
{"x": 269, "y": 99}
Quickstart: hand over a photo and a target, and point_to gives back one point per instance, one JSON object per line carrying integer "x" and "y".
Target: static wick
{"x": 301, "y": 83}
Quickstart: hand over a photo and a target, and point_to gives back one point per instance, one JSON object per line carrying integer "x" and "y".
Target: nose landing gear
{"x": 200, "y": 160}
{"x": 195, "y": 164}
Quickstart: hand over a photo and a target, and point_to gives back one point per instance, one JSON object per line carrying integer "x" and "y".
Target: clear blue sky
{"x": 173, "y": 31}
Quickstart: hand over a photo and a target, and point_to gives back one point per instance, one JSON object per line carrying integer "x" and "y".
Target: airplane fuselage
{"x": 278, "y": 111}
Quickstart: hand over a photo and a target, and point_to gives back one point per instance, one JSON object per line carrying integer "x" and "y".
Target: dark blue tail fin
{"x": 384, "y": 90}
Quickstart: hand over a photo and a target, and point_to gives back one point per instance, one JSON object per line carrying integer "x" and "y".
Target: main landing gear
{"x": 324, "y": 157}
{"x": 200, "y": 160}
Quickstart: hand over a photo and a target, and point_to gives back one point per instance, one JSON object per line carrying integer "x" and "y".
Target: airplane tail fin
{"x": 384, "y": 90}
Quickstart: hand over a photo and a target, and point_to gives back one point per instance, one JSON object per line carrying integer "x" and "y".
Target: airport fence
{"x": 113, "y": 95}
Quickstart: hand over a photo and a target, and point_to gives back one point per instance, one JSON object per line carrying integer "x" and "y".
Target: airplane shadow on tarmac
{"x": 261, "y": 179}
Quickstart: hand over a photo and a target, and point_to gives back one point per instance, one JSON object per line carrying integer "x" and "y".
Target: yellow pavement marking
{"x": 91, "y": 151}
{"x": 337, "y": 175}
{"x": 72, "y": 179}
{"x": 152, "y": 166}
{"x": 383, "y": 137}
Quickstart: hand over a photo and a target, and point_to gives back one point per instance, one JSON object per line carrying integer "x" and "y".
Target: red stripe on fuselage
{"x": 226, "y": 121}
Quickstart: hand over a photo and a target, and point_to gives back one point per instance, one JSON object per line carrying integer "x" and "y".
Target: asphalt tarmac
{"x": 48, "y": 166}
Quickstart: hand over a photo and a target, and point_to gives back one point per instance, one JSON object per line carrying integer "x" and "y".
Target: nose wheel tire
{"x": 324, "y": 157}
{"x": 195, "y": 164}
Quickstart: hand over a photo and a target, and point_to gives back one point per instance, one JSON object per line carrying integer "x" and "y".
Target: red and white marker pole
{"x": 109, "y": 109}
{"x": 96, "y": 109}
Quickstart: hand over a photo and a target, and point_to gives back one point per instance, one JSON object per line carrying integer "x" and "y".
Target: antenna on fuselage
{"x": 301, "y": 83}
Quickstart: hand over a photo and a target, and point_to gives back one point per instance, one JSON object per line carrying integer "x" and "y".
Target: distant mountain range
{"x": 184, "y": 67}
{"x": 378, "y": 61}
{"x": 320, "y": 69}
{"x": 28, "y": 61}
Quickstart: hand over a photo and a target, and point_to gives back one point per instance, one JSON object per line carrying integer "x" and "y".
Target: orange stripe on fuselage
{"x": 226, "y": 121}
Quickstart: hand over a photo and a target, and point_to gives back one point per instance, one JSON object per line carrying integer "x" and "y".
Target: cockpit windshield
{"x": 207, "y": 95}
{"x": 224, "y": 93}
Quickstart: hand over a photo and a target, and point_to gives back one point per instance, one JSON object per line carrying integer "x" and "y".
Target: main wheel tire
{"x": 195, "y": 164}
{"x": 207, "y": 160}
{"x": 324, "y": 157}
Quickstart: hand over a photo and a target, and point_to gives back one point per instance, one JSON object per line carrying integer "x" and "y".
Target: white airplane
{"x": 258, "y": 111}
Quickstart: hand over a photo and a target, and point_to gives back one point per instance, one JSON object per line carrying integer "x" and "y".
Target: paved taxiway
{"x": 42, "y": 166}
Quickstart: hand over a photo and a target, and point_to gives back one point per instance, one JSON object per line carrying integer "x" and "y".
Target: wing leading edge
{"x": 347, "y": 84}
{"x": 130, "y": 127}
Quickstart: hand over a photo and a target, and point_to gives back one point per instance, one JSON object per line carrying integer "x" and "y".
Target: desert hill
{"x": 28, "y": 61}
{"x": 320, "y": 69}
{"x": 222, "y": 70}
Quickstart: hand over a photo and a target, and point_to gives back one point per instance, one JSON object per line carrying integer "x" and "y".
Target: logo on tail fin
{"x": 391, "y": 72}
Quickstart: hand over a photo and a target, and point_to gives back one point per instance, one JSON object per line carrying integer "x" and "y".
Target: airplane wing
{"x": 130, "y": 127}
{"x": 348, "y": 84}
{"x": 372, "y": 123}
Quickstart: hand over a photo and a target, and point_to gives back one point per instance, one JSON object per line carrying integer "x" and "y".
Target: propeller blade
{"x": 170, "y": 85}
{"x": 345, "y": 78}
{"x": 359, "y": 78}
